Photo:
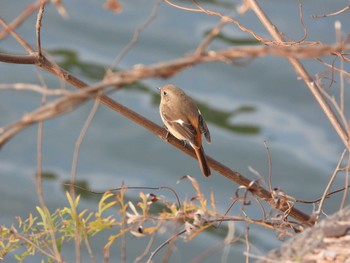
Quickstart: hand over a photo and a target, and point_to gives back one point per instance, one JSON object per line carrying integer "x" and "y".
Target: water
{"x": 263, "y": 100}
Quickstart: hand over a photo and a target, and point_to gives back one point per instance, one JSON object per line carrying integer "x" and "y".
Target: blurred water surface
{"x": 243, "y": 105}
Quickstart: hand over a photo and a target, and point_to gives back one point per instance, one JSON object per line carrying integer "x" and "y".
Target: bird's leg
{"x": 165, "y": 138}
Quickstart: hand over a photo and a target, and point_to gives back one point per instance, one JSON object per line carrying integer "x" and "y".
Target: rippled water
{"x": 243, "y": 106}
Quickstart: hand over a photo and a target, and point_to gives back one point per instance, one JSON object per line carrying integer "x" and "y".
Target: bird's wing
{"x": 183, "y": 127}
{"x": 204, "y": 128}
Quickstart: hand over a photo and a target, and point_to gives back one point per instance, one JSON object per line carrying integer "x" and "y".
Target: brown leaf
{"x": 113, "y": 5}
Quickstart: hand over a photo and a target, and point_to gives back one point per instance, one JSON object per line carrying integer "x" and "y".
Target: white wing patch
{"x": 181, "y": 122}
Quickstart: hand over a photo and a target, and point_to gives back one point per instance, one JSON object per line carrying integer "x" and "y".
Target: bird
{"x": 184, "y": 121}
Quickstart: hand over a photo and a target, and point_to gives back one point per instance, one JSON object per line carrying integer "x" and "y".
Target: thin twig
{"x": 269, "y": 178}
{"x": 302, "y": 40}
{"x": 345, "y": 194}
{"x": 332, "y": 14}
{"x": 164, "y": 244}
{"x": 45, "y": 112}
{"x": 338, "y": 38}
{"x": 333, "y": 68}
{"x": 168, "y": 251}
{"x": 327, "y": 196}
{"x": 230, "y": 236}
{"x": 35, "y": 88}
{"x": 39, "y": 168}
{"x": 130, "y": 188}
{"x": 302, "y": 22}
{"x": 337, "y": 109}
{"x": 39, "y": 180}
{"x": 210, "y": 37}
{"x": 123, "y": 228}
{"x": 28, "y": 241}
{"x": 171, "y": 67}
{"x": 19, "y": 39}
{"x": 88, "y": 247}
{"x": 38, "y": 26}
{"x": 135, "y": 36}
{"x": 77, "y": 238}
{"x": 247, "y": 243}
{"x": 78, "y": 144}
{"x": 149, "y": 244}
{"x": 29, "y": 10}
{"x": 331, "y": 180}
{"x": 210, "y": 251}
{"x": 208, "y": 12}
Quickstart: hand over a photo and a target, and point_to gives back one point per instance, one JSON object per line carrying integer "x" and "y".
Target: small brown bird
{"x": 184, "y": 120}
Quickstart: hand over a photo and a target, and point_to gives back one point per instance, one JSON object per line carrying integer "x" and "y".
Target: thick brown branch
{"x": 18, "y": 59}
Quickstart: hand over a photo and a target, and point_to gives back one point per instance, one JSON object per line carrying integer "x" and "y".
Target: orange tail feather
{"x": 202, "y": 161}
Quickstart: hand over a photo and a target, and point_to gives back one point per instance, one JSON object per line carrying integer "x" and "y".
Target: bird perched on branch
{"x": 184, "y": 120}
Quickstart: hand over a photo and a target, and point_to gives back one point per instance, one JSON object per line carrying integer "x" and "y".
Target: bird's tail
{"x": 202, "y": 161}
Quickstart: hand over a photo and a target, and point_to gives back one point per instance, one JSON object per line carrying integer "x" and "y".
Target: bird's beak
{"x": 158, "y": 88}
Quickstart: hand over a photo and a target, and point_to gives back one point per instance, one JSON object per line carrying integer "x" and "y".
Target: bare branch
{"x": 18, "y": 59}
{"x": 35, "y": 88}
{"x": 38, "y": 26}
{"x": 49, "y": 254}
{"x": 208, "y": 12}
{"x": 78, "y": 144}
{"x": 164, "y": 244}
{"x": 329, "y": 184}
{"x": 19, "y": 39}
{"x": 332, "y": 14}
{"x": 304, "y": 75}
{"x": 135, "y": 37}
{"x": 210, "y": 37}
{"x": 269, "y": 178}
{"x": 45, "y": 112}
{"x": 29, "y": 10}
{"x": 345, "y": 194}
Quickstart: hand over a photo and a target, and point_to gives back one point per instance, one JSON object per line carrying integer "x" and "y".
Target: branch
{"x": 303, "y": 74}
{"x": 332, "y": 14}
{"x": 48, "y": 111}
{"x": 18, "y": 59}
{"x": 38, "y": 25}
{"x": 29, "y": 10}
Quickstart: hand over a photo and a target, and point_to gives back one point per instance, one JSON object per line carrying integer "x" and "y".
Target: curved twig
{"x": 166, "y": 242}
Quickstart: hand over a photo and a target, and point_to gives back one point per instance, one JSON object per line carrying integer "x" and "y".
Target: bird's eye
{"x": 164, "y": 93}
